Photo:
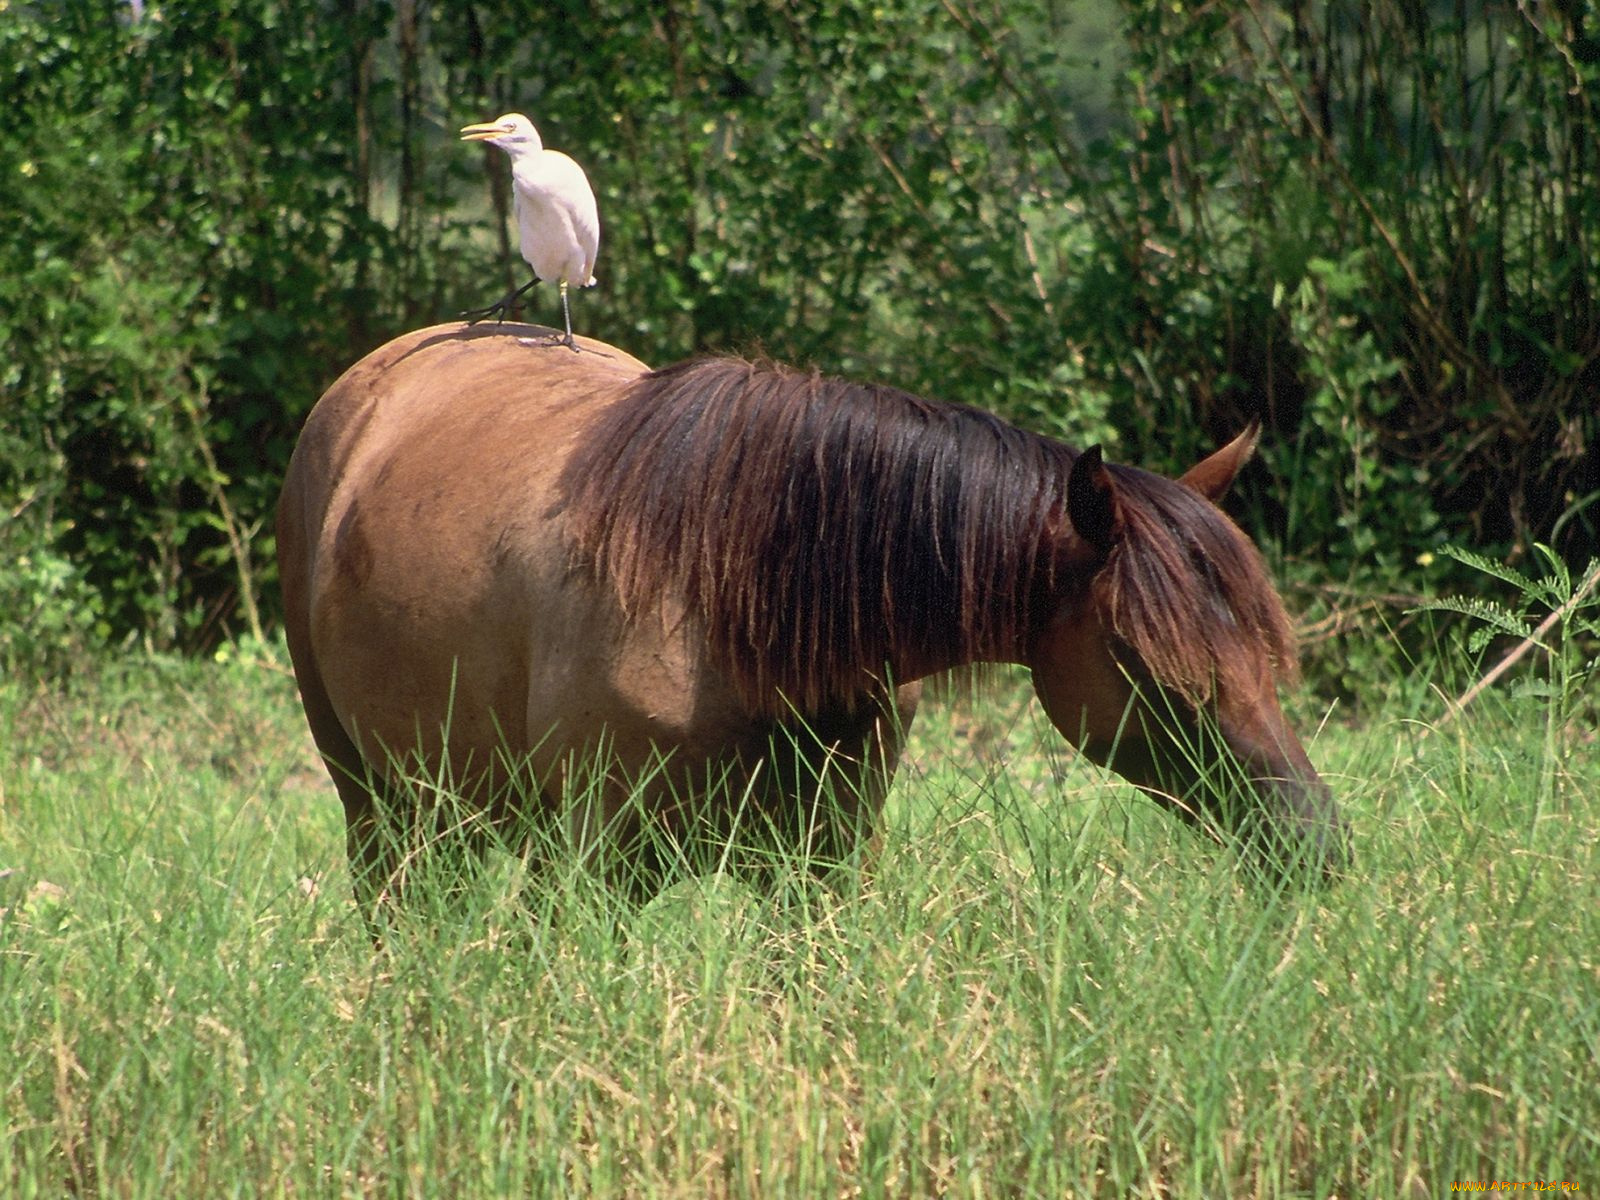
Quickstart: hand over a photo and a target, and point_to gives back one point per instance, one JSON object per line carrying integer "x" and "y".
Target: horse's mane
{"x": 819, "y": 529}
{"x": 1187, "y": 591}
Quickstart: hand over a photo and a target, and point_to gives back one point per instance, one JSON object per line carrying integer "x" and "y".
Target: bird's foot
{"x": 498, "y": 311}
{"x": 560, "y": 339}
{"x": 551, "y": 340}
{"x": 500, "y": 308}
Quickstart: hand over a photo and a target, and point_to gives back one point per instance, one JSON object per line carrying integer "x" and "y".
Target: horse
{"x": 724, "y": 582}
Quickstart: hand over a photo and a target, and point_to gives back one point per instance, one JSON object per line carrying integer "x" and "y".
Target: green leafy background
{"x": 1374, "y": 227}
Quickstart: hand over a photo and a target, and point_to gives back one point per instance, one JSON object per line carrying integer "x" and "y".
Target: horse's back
{"x": 454, "y": 390}
{"x": 421, "y": 547}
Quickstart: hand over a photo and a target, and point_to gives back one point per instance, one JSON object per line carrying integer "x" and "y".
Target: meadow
{"x": 1043, "y": 987}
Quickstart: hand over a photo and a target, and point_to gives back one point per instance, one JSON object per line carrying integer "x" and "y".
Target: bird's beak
{"x": 483, "y": 132}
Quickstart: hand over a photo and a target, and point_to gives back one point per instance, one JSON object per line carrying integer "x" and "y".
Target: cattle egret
{"x": 558, "y": 222}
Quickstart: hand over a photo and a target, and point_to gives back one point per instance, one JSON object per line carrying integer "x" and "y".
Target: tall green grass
{"x": 1043, "y": 987}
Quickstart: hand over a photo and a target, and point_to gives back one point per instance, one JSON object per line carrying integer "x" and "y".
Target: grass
{"x": 1044, "y": 988}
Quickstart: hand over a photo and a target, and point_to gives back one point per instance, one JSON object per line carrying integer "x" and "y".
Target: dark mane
{"x": 1187, "y": 591}
{"x": 819, "y": 529}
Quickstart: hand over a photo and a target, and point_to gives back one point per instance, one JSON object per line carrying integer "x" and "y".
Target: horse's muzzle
{"x": 1292, "y": 827}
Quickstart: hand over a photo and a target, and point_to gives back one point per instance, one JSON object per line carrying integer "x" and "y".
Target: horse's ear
{"x": 1212, "y": 476}
{"x": 1092, "y": 500}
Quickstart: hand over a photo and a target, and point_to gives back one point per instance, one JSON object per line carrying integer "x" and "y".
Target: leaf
{"x": 1501, "y": 619}
{"x": 1489, "y": 566}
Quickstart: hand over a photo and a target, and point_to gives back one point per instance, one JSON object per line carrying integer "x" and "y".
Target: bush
{"x": 1372, "y": 229}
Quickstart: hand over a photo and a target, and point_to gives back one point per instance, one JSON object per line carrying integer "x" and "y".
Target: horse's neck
{"x": 968, "y": 633}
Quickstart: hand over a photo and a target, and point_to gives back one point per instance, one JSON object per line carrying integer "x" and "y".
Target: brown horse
{"x": 503, "y": 564}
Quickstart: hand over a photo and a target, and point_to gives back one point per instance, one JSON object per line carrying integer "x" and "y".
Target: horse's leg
{"x": 619, "y": 843}
{"x": 885, "y": 741}
{"x": 372, "y": 852}
{"x": 586, "y": 821}
{"x": 833, "y": 773}
{"x": 387, "y": 839}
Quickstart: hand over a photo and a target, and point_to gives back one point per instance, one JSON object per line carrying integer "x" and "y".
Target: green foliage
{"x": 53, "y": 613}
{"x": 1129, "y": 221}
{"x": 180, "y": 274}
{"x": 1561, "y": 678}
{"x": 1554, "y": 591}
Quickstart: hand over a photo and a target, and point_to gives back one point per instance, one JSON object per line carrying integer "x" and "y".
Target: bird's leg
{"x": 556, "y": 339}
{"x": 566, "y": 315}
{"x": 500, "y": 307}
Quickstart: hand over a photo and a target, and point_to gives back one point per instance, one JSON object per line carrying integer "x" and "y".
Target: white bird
{"x": 558, "y": 222}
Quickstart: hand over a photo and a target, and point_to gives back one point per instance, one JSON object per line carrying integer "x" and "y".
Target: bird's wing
{"x": 561, "y": 183}
{"x": 521, "y": 211}
{"x": 586, "y": 224}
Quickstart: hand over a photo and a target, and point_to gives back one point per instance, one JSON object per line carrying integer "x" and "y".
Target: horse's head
{"x": 1160, "y": 650}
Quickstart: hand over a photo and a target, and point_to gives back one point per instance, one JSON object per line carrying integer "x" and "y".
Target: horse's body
{"x": 501, "y": 563}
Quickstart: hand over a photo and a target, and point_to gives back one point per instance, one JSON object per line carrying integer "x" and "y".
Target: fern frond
{"x": 1500, "y": 618}
{"x": 1502, "y": 571}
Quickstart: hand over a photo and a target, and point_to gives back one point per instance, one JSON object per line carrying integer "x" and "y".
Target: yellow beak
{"x": 482, "y": 132}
